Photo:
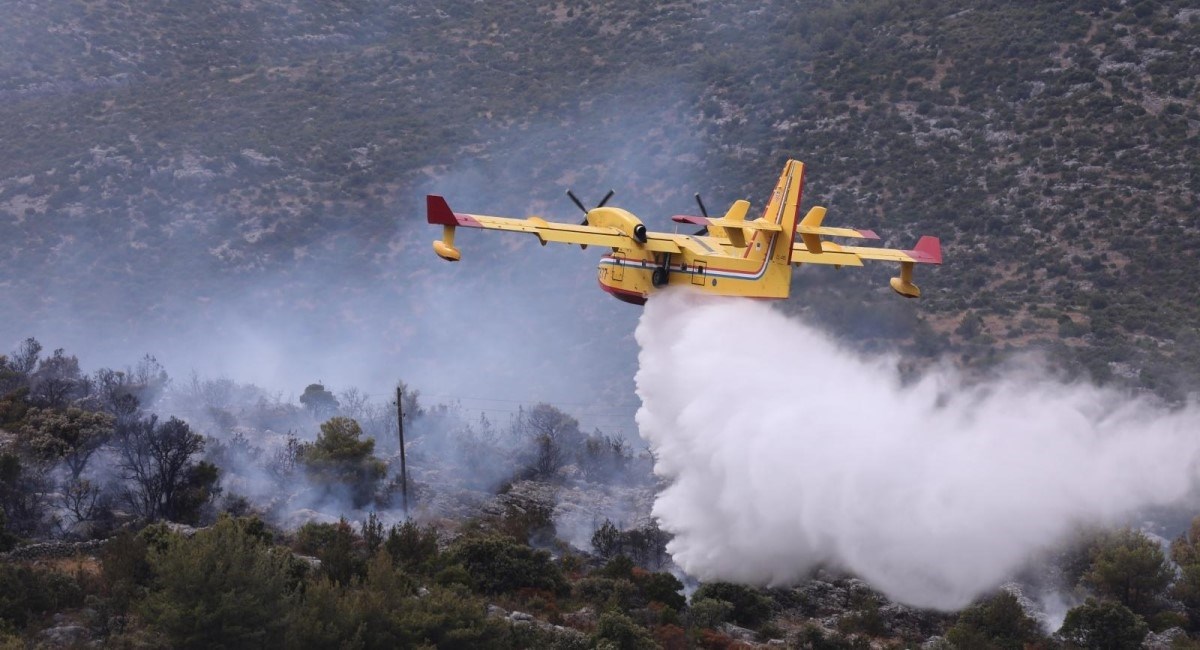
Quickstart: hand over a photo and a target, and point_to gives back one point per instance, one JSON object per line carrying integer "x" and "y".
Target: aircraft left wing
{"x": 927, "y": 251}
{"x": 439, "y": 213}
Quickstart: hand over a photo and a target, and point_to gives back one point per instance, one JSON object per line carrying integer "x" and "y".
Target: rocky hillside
{"x": 164, "y": 167}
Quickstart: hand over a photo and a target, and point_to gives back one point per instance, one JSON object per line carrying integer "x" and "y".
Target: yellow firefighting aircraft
{"x": 730, "y": 257}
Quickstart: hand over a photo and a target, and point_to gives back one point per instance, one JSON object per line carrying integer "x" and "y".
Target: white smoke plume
{"x": 785, "y": 452}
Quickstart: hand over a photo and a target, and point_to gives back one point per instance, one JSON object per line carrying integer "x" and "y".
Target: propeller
{"x": 579, "y": 204}
{"x": 703, "y": 231}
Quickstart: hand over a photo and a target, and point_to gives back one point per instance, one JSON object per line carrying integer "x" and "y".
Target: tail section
{"x": 784, "y": 209}
{"x": 772, "y": 245}
{"x": 810, "y": 228}
{"x": 735, "y": 217}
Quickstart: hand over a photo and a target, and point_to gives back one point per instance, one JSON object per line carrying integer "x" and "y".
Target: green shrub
{"x": 1103, "y": 625}
{"x": 125, "y": 570}
{"x": 1185, "y": 550}
{"x": 750, "y": 608}
{"x": 412, "y": 546}
{"x": 606, "y": 592}
{"x": 709, "y": 612}
{"x": 663, "y": 588}
{"x": 222, "y": 587}
{"x": 384, "y": 611}
{"x": 619, "y": 567}
{"x": 1000, "y": 622}
{"x": 1131, "y": 568}
{"x": 865, "y": 619}
{"x": 500, "y": 565}
{"x": 337, "y": 546}
{"x": 454, "y": 575}
{"x": 341, "y": 462}
{"x": 26, "y": 592}
{"x": 618, "y": 631}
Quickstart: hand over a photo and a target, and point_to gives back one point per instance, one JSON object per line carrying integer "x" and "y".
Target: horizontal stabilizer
{"x": 811, "y": 225}
{"x": 838, "y": 232}
{"x": 746, "y": 225}
{"x": 725, "y": 222}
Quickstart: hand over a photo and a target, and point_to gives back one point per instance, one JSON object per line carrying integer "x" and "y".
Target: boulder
{"x": 520, "y": 617}
{"x": 65, "y": 636}
{"x": 1164, "y": 640}
{"x": 582, "y": 619}
{"x": 739, "y": 633}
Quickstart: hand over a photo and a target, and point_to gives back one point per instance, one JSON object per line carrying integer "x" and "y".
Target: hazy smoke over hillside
{"x": 786, "y": 452}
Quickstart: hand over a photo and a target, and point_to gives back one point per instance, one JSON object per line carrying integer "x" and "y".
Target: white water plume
{"x": 784, "y": 451}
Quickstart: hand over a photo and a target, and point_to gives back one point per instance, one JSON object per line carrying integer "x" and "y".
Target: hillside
{"x": 237, "y": 188}
{"x": 168, "y": 169}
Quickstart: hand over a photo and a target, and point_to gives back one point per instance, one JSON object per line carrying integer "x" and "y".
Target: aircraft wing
{"x": 439, "y": 213}
{"x": 927, "y": 251}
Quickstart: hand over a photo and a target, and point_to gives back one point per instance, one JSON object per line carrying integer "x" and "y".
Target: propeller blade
{"x": 605, "y": 199}
{"x": 703, "y": 231}
{"x": 576, "y": 201}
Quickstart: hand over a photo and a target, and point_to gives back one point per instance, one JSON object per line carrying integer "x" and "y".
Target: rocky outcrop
{"x": 829, "y": 599}
{"x": 1164, "y": 640}
{"x": 569, "y": 637}
{"x": 64, "y": 636}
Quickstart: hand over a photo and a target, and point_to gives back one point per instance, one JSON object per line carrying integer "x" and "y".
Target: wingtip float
{"x": 730, "y": 256}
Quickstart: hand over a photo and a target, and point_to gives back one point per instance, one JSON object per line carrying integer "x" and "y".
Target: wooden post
{"x": 403, "y": 464}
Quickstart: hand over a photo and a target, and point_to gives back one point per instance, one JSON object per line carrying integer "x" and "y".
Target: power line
{"x": 586, "y": 415}
{"x": 629, "y": 405}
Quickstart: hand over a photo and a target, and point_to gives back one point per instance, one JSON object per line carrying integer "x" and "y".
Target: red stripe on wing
{"x": 439, "y": 213}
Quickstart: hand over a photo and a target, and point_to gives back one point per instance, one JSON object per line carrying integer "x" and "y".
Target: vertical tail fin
{"x": 784, "y": 209}
{"x": 773, "y": 248}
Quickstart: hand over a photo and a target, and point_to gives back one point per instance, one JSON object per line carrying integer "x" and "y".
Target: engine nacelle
{"x": 622, "y": 220}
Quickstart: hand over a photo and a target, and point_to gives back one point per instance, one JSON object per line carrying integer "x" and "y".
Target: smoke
{"x": 785, "y": 452}
{"x": 329, "y": 276}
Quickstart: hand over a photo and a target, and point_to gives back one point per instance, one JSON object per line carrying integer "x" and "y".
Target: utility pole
{"x": 403, "y": 464}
